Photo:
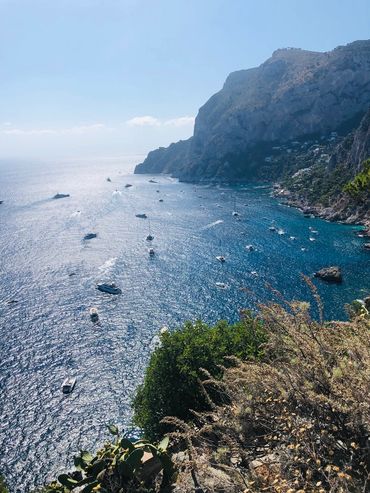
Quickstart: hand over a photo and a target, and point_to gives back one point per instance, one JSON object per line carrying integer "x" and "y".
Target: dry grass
{"x": 297, "y": 421}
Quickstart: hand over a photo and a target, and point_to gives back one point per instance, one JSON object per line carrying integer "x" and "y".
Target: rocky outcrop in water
{"x": 294, "y": 94}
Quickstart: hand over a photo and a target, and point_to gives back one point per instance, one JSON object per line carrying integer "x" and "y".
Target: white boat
{"x": 235, "y": 214}
{"x": 68, "y": 385}
{"x": 292, "y": 238}
{"x": 250, "y": 248}
{"x": 281, "y": 232}
{"x": 272, "y": 228}
{"x": 151, "y": 252}
{"x": 221, "y": 285}
{"x": 221, "y": 258}
{"x": 109, "y": 288}
{"x": 94, "y": 314}
{"x": 312, "y": 239}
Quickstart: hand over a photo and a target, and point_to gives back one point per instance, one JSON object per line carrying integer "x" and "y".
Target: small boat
{"x": 61, "y": 195}
{"x": 68, "y": 385}
{"x": 254, "y": 273}
{"x": 128, "y": 185}
{"x": 108, "y": 179}
{"x": 1, "y": 201}
{"x": 109, "y": 288}
{"x": 292, "y": 238}
{"x": 150, "y": 237}
{"x": 250, "y": 248}
{"x": 221, "y": 258}
{"x": 160, "y": 200}
{"x": 94, "y": 314}
{"x": 90, "y": 236}
{"x": 221, "y": 285}
{"x": 151, "y": 252}
{"x": 235, "y": 214}
{"x": 152, "y": 181}
{"x": 314, "y": 232}
{"x": 312, "y": 239}
{"x": 141, "y": 216}
{"x": 280, "y": 232}
{"x": 303, "y": 249}
{"x": 272, "y": 228}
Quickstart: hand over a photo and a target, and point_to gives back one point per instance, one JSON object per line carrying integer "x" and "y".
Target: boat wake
{"x": 211, "y": 225}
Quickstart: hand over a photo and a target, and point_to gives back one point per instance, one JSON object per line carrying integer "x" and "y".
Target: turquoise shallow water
{"x": 47, "y": 333}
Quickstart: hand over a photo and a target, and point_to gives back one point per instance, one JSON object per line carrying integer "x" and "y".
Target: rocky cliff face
{"x": 322, "y": 186}
{"x": 295, "y": 93}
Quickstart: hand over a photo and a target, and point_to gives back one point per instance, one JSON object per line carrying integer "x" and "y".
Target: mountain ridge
{"x": 293, "y": 94}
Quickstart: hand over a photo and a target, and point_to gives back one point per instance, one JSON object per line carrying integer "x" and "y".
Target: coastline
{"x": 342, "y": 213}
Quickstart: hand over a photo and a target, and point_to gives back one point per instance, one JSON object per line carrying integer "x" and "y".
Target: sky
{"x": 83, "y": 79}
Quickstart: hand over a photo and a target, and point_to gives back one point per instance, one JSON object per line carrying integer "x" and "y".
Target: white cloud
{"x": 152, "y": 121}
{"x": 182, "y": 121}
{"x": 144, "y": 121}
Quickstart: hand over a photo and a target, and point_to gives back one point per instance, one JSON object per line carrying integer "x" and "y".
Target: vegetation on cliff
{"x": 171, "y": 386}
{"x": 359, "y": 187}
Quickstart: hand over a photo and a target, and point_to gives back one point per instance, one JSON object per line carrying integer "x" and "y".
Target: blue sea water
{"x": 48, "y": 278}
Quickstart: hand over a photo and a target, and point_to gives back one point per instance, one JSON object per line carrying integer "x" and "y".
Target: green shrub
{"x": 171, "y": 384}
{"x": 359, "y": 187}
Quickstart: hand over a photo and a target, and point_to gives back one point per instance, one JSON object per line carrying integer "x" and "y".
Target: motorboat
{"x": 128, "y": 185}
{"x": 151, "y": 252}
{"x": 141, "y": 216}
{"x": 152, "y": 181}
{"x": 94, "y": 314}
{"x": 108, "y": 179}
{"x": 221, "y": 285}
{"x": 235, "y": 214}
{"x": 149, "y": 237}
{"x": 221, "y": 258}
{"x": 90, "y": 236}
{"x": 272, "y": 228}
{"x": 250, "y": 248}
{"x": 281, "y": 232}
{"x": 109, "y": 288}
{"x": 160, "y": 200}
{"x": 68, "y": 385}
{"x": 61, "y": 195}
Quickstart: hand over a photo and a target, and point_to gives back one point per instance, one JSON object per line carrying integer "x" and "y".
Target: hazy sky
{"x": 81, "y": 78}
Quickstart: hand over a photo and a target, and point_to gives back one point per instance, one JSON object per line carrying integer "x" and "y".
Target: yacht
{"x": 221, "y": 258}
{"x": 68, "y": 385}
{"x": 61, "y": 195}
{"x": 141, "y": 216}
{"x": 94, "y": 314}
{"x": 151, "y": 252}
{"x": 109, "y": 288}
{"x": 90, "y": 236}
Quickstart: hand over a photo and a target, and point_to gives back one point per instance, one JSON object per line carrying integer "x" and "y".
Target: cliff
{"x": 338, "y": 189}
{"x": 295, "y": 94}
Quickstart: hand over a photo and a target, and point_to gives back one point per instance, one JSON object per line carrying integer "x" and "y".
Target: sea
{"x": 49, "y": 276}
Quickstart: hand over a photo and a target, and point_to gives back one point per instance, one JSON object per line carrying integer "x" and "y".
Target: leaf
{"x": 86, "y": 456}
{"x": 127, "y": 444}
{"x": 67, "y": 481}
{"x": 164, "y": 444}
{"x": 88, "y": 488}
{"x": 134, "y": 459}
{"x": 113, "y": 429}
